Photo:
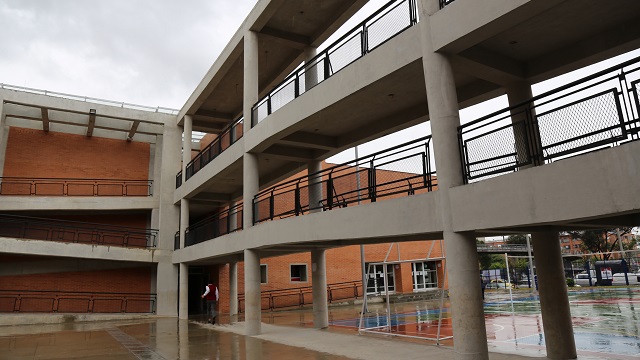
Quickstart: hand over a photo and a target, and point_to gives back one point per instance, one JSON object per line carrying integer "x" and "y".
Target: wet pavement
{"x": 606, "y": 326}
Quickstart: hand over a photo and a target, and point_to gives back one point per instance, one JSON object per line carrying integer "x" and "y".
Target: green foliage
{"x": 571, "y": 282}
{"x": 483, "y": 258}
{"x": 518, "y": 239}
{"x": 599, "y": 241}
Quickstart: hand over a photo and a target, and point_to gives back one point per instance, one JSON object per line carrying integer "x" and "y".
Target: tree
{"x": 601, "y": 242}
{"x": 518, "y": 239}
{"x": 483, "y": 258}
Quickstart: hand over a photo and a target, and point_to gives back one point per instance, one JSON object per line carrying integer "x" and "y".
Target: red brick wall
{"x": 64, "y": 284}
{"x": 36, "y": 154}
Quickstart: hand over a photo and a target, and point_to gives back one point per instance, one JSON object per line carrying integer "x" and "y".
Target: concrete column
{"x": 469, "y": 332}
{"x": 184, "y": 221}
{"x": 155, "y": 161}
{"x": 252, "y": 303}
{"x": 233, "y": 289}
{"x": 250, "y": 96}
{"x": 319, "y": 289}
{"x": 518, "y": 92}
{"x": 167, "y": 288}
{"x": 310, "y": 73}
{"x": 167, "y": 215}
{"x": 315, "y": 186}
{"x": 4, "y": 135}
{"x": 183, "y": 304}
{"x": 250, "y": 187}
{"x": 186, "y": 145}
{"x": 467, "y": 309}
{"x": 233, "y": 216}
{"x": 554, "y": 300}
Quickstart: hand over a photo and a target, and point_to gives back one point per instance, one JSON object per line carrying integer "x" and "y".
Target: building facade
{"x": 280, "y": 104}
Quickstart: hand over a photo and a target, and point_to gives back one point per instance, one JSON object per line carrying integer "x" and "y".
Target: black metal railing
{"x": 389, "y": 21}
{"x": 74, "y": 187}
{"x": 229, "y": 135}
{"x": 222, "y": 223}
{"x": 401, "y": 170}
{"x": 24, "y": 227}
{"x": 298, "y": 297}
{"x": 444, "y": 3}
{"x": 598, "y": 111}
{"x": 179, "y": 179}
{"x": 31, "y": 301}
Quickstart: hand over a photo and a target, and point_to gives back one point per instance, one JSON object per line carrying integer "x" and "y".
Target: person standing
{"x": 211, "y": 295}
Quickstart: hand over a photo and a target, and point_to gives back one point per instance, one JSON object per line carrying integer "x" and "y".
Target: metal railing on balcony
{"x": 598, "y": 111}
{"x": 223, "y": 223}
{"x": 444, "y": 3}
{"x": 232, "y": 133}
{"x": 384, "y": 24}
{"x": 398, "y": 171}
{"x": 120, "y": 104}
{"x": 179, "y": 179}
{"x": 25, "y": 227}
{"x": 74, "y": 187}
{"x": 31, "y": 301}
{"x": 297, "y": 297}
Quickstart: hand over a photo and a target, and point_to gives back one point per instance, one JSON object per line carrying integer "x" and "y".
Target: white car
{"x": 634, "y": 279}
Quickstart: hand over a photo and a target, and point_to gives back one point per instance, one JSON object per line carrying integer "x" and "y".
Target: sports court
{"x": 605, "y": 319}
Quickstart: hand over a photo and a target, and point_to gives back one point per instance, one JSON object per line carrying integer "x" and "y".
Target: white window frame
{"x": 306, "y": 273}
{"x": 266, "y": 273}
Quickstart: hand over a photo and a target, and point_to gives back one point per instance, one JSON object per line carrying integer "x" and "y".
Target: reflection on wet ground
{"x": 606, "y": 323}
{"x": 606, "y": 326}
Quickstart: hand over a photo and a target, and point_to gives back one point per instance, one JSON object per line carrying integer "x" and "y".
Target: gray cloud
{"x": 150, "y": 52}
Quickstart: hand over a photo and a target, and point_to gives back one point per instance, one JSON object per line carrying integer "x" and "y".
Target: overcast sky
{"x": 146, "y": 52}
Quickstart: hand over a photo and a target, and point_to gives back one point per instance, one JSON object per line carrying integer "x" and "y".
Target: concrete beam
{"x": 45, "y": 119}
{"x": 92, "y": 122}
{"x": 292, "y": 40}
{"x": 81, "y": 251}
{"x": 310, "y": 140}
{"x": 290, "y": 153}
{"x": 132, "y": 130}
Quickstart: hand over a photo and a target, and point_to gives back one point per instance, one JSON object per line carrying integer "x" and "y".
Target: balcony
{"x": 222, "y": 223}
{"x": 24, "y": 227}
{"x": 593, "y": 113}
{"x": 398, "y": 171}
{"x": 34, "y": 301}
{"x": 25, "y": 186}
{"x": 225, "y": 139}
{"x": 383, "y": 25}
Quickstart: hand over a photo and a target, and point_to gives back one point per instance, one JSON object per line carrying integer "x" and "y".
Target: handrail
{"x": 362, "y": 39}
{"x": 157, "y": 109}
{"x": 597, "y": 111}
{"x": 18, "y": 185}
{"x": 76, "y": 301}
{"x": 26, "y": 227}
{"x": 297, "y": 297}
{"x": 444, "y": 3}
{"x": 227, "y": 137}
{"x": 213, "y": 226}
{"x": 401, "y": 169}
{"x": 179, "y": 179}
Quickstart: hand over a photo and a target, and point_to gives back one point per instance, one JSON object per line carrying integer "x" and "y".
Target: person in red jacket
{"x": 211, "y": 294}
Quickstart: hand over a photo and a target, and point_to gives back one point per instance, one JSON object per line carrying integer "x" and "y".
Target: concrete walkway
{"x": 352, "y": 346}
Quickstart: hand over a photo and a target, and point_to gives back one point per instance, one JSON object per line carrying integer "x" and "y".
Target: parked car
{"x": 582, "y": 279}
{"x": 499, "y": 284}
{"x": 634, "y": 279}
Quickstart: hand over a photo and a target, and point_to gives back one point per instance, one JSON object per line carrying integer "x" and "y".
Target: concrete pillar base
{"x": 319, "y": 289}
{"x": 554, "y": 297}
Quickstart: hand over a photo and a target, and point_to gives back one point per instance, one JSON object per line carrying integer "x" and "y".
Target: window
{"x": 298, "y": 272}
{"x": 263, "y": 273}
{"x": 424, "y": 275}
{"x": 376, "y": 281}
